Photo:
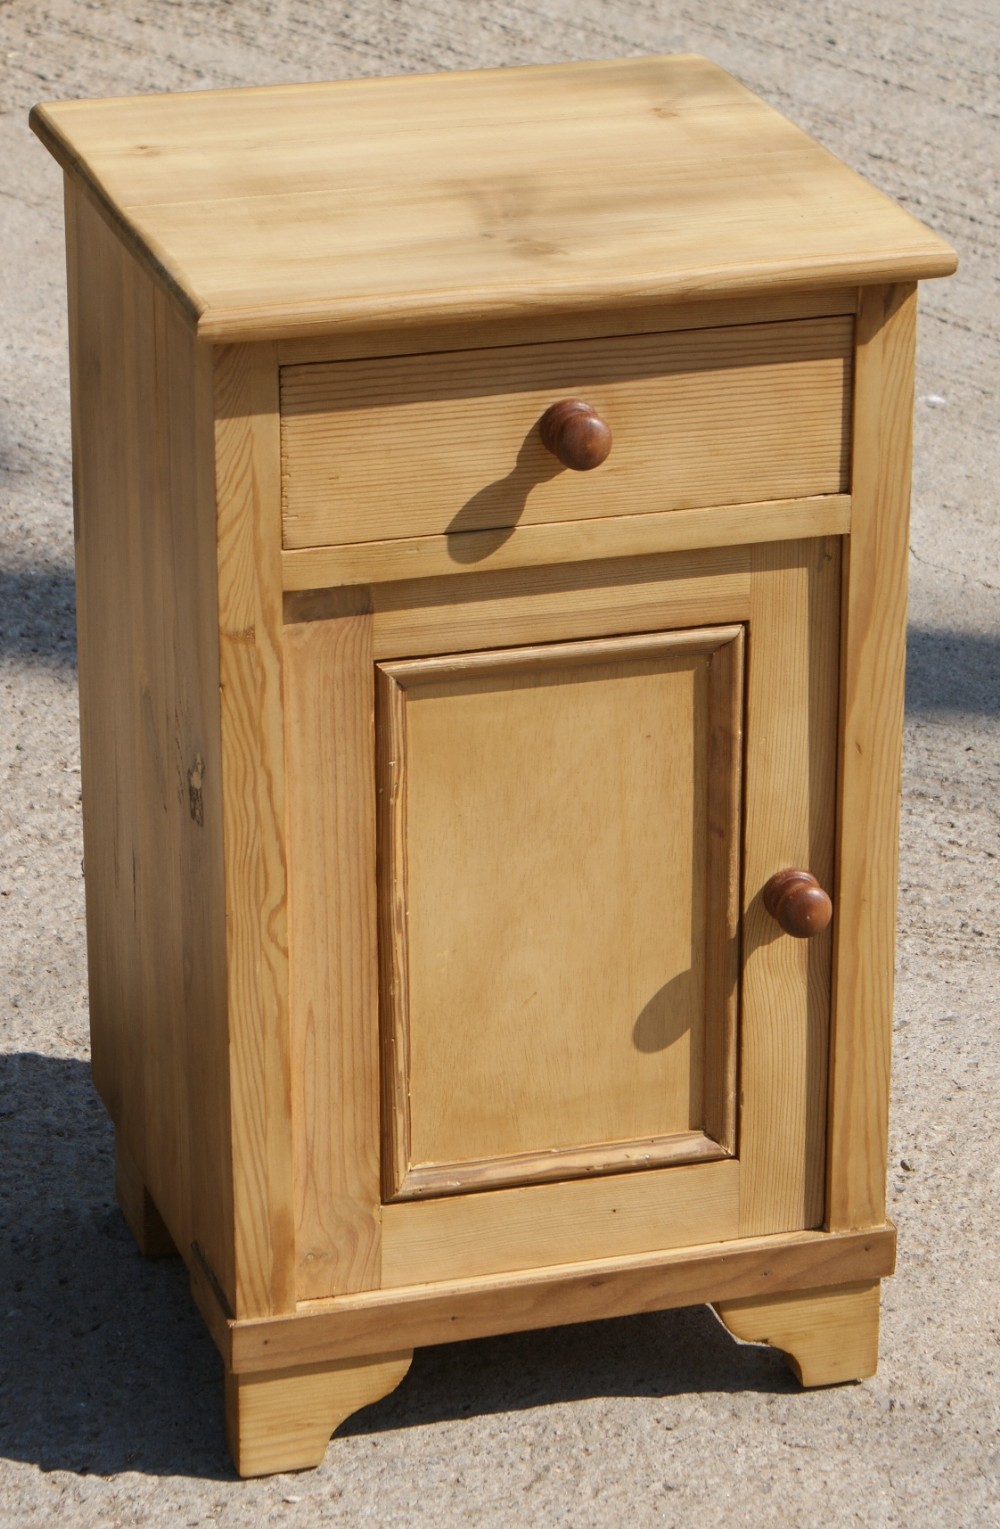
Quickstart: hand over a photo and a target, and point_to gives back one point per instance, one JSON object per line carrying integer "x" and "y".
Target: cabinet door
{"x": 539, "y": 1013}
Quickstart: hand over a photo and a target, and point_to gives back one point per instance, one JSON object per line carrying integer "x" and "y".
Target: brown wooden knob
{"x": 799, "y": 904}
{"x": 576, "y": 434}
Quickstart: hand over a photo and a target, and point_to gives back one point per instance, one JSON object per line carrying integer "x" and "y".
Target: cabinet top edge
{"x": 281, "y": 212}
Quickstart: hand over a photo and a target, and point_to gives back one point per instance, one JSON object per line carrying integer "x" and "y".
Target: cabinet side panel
{"x": 149, "y": 669}
{"x": 249, "y": 583}
{"x": 790, "y": 783}
{"x": 871, "y": 745}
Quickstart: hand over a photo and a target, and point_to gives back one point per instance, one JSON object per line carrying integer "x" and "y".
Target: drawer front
{"x": 448, "y": 443}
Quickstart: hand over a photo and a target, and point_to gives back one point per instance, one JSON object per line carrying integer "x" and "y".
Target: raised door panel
{"x": 558, "y": 894}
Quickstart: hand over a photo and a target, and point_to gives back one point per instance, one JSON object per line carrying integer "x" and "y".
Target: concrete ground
{"x": 111, "y": 1400}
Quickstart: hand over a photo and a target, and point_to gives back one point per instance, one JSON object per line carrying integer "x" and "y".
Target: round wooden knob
{"x": 576, "y": 434}
{"x": 798, "y": 903}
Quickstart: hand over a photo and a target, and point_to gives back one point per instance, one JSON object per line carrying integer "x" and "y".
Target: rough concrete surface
{"x": 111, "y": 1400}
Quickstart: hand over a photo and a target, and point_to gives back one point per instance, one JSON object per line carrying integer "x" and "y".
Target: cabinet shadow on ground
{"x": 38, "y": 616}
{"x": 947, "y": 671}
{"x": 108, "y": 1367}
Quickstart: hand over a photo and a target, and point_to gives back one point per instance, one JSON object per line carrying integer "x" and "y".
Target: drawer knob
{"x": 576, "y": 434}
{"x": 799, "y": 904}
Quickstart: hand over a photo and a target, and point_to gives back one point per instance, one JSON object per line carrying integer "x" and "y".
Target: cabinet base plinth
{"x": 281, "y": 1420}
{"x": 293, "y": 1377}
{"x": 136, "y": 1204}
{"x": 825, "y": 1336}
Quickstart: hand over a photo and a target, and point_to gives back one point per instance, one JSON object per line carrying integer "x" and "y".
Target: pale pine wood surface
{"x": 283, "y": 211}
{"x": 559, "y": 1164}
{"x": 725, "y": 775}
{"x": 543, "y": 605}
{"x": 547, "y": 1297}
{"x": 826, "y": 1336}
{"x": 554, "y": 839}
{"x": 873, "y": 660}
{"x": 329, "y": 701}
{"x": 423, "y": 445}
{"x": 569, "y": 541}
{"x": 788, "y": 592}
{"x": 256, "y": 937}
{"x": 136, "y": 1204}
{"x": 603, "y": 598}
{"x": 464, "y": 1264}
{"x": 552, "y": 604}
{"x": 494, "y": 1230}
{"x": 283, "y": 1421}
{"x": 150, "y": 739}
{"x": 791, "y": 732}
{"x": 482, "y": 332}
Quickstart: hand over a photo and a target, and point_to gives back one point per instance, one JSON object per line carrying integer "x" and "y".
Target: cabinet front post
{"x": 248, "y": 497}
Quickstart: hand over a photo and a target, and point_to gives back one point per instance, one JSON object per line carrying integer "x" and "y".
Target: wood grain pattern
{"x": 393, "y": 932}
{"x": 725, "y": 773}
{"x": 138, "y": 1207}
{"x": 246, "y": 459}
{"x": 553, "y": 604}
{"x": 475, "y": 1308}
{"x": 483, "y": 333}
{"x": 826, "y": 1336}
{"x": 792, "y": 610}
{"x": 302, "y": 209}
{"x": 451, "y": 442}
{"x": 282, "y": 1421}
{"x": 150, "y": 739}
{"x": 791, "y": 732}
{"x": 553, "y": 1165}
{"x": 457, "y": 1237}
{"x": 309, "y": 355}
{"x": 334, "y": 987}
{"x": 795, "y": 602}
{"x": 553, "y": 836}
{"x": 874, "y": 652}
{"x": 570, "y": 541}
{"x": 477, "y": 611}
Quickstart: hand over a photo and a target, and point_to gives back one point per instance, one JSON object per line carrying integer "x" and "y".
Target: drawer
{"x": 445, "y": 443}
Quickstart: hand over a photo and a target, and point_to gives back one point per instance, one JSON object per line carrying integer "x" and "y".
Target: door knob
{"x": 798, "y": 903}
{"x": 576, "y": 434}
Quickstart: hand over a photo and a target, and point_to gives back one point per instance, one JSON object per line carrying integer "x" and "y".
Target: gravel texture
{"x": 110, "y": 1390}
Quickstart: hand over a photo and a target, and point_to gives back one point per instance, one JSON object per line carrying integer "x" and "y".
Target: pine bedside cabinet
{"x": 491, "y": 501}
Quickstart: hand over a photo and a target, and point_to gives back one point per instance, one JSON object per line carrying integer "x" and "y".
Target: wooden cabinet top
{"x": 286, "y": 211}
